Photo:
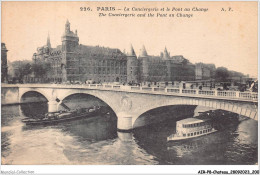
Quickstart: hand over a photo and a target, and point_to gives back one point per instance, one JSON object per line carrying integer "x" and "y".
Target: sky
{"x": 225, "y": 38}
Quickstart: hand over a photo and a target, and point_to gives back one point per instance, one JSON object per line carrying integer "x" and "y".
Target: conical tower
{"x": 131, "y": 51}
{"x": 143, "y": 52}
{"x": 166, "y": 55}
{"x": 144, "y": 65}
{"x": 132, "y": 66}
{"x": 48, "y": 41}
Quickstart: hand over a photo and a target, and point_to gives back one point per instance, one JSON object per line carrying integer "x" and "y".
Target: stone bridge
{"x": 129, "y": 102}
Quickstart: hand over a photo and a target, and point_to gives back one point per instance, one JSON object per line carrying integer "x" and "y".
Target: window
{"x": 188, "y": 134}
{"x": 195, "y": 133}
{"x": 184, "y": 135}
{"x": 191, "y": 134}
{"x": 200, "y": 132}
{"x": 204, "y": 131}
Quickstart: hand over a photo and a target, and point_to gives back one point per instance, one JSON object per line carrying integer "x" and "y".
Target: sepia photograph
{"x": 130, "y": 83}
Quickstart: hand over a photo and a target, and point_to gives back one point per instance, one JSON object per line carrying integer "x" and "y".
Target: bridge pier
{"x": 125, "y": 137}
{"x": 53, "y": 106}
{"x": 124, "y": 122}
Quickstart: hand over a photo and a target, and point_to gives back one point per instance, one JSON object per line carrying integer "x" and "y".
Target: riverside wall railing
{"x": 236, "y": 95}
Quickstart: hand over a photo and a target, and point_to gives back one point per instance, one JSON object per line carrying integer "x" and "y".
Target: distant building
{"x": 204, "y": 71}
{"x": 72, "y": 62}
{"x": 4, "y": 68}
{"x": 164, "y": 67}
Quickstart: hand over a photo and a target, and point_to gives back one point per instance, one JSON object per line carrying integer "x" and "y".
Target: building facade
{"x": 204, "y": 71}
{"x": 74, "y": 62}
{"x": 4, "y": 67}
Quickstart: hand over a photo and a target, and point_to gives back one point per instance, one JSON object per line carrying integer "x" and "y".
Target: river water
{"x": 96, "y": 141}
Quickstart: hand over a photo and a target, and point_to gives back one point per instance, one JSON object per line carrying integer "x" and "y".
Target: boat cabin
{"x": 192, "y": 127}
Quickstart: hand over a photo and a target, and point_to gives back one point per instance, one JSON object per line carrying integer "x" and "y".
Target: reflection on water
{"x": 96, "y": 141}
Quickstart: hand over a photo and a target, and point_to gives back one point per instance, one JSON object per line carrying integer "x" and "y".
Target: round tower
{"x": 144, "y": 72}
{"x": 132, "y": 66}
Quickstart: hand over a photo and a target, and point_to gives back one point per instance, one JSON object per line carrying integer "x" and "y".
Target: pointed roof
{"x": 143, "y": 52}
{"x": 166, "y": 54}
{"x": 131, "y": 51}
{"x": 48, "y": 40}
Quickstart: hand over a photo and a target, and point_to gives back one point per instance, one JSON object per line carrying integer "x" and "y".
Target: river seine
{"x": 96, "y": 141}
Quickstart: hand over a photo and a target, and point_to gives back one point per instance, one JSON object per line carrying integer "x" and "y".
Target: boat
{"x": 191, "y": 128}
{"x": 61, "y": 116}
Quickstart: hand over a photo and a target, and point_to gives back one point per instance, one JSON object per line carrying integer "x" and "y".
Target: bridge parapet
{"x": 230, "y": 95}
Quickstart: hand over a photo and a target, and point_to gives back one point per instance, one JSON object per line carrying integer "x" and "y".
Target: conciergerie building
{"x": 74, "y": 62}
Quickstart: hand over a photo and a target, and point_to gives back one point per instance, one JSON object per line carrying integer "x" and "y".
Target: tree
{"x": 41, "y": 69}
{"x": 222, "y": 74}
{"x": 23, "y": 69}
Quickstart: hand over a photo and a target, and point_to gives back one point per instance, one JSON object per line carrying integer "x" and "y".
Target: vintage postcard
{"x": 129, "y": 83}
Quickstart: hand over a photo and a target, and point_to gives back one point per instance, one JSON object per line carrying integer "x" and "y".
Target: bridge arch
{"x": 162, "y": 113}
{"x": 247, "y": 111}
{"x": 23, "y": 92}
{"x": 66, "y": 94}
